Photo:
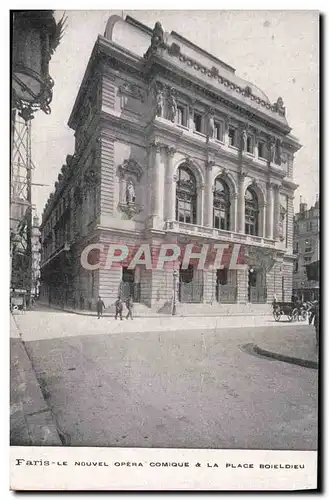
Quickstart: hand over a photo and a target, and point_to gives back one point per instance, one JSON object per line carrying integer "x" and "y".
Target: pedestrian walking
{"x": 118, "y": 308}
{"x": 129, "y": 305}
{"x": 99, "y": 307}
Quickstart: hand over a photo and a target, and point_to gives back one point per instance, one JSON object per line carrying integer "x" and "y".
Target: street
{"x": 182, "y": 389}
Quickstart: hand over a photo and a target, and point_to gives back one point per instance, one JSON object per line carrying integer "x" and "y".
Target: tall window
{"x": 186, "y": 195}
{"x": 261, "y": 149}
{"x": 233, "y": 137}
{"x": 181, "y": 115}
{"x": 250, "y": 145}
{"x": 251, "y": 212}
{"x": 218, "y": 131}
{"x": 197, "y": 118}
{"x": 221, "y": 205}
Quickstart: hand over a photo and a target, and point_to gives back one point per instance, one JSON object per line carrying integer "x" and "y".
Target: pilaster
{"x": 209, "y": 198}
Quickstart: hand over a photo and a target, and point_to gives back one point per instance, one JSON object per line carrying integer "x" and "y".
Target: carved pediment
{"x": 131, "y": 167}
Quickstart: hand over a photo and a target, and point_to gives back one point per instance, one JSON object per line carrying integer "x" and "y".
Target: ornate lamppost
{"x": 36, "y": 36}
{"x": 175, "y": 276}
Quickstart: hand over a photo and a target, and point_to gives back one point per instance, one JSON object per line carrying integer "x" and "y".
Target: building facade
{"x": 307, "y": 251}
{"x": 171, "y": 146}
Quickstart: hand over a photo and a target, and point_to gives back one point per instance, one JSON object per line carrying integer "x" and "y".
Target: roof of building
{"x": 136, "y": 38}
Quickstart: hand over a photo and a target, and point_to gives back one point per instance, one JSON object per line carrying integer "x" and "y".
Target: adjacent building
{"x": 307, "y": 251}
{"x": 170, "y": 146}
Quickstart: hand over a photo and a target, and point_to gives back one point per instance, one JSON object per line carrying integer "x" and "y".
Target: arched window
{"x": 221, "y": 205}
{"x": 251, "y": 212}
{"x": 186, "y": 195}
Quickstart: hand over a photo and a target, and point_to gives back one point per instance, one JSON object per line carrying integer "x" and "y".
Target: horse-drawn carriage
{"x": 290, "y": 310}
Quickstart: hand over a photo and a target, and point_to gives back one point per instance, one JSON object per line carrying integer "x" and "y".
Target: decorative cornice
{"x": 213, "y": 72}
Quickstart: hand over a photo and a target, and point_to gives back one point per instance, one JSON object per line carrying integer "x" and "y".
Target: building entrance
{"x": 256, "y": 286}
{"x": 226, "y": 286}
{"x": 128, "y": 287}
{"x": 190, "y": 285}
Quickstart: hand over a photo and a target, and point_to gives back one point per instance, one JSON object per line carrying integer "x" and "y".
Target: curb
{"x": 287, "y": 359}
{"x": 32, "y": 419}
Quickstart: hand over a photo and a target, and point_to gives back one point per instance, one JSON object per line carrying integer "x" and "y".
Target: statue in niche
{"x": 279, "y": 152}
{"x": 130, "y": 192}
{"x": 244, "y": 138}
{"x": 281, "y": 222}
{"x": 159, "y": 103}
{"x": 172, "y": 107}
{"x": 211, "y": 125}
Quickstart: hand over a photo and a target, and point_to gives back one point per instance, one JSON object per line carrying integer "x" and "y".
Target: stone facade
{"x": 152, "y": 106}
{"x": 306, "y": 248}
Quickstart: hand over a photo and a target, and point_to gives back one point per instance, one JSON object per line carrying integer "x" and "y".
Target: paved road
{"x": 195, "y": 389}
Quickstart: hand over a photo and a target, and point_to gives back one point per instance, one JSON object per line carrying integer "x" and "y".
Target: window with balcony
{"x": 233, "y": 137}
{"x": 261, "y": 150}
{"x": 186, "y": 196}
{"x": 182, "y": 115}
{"x": 197, "y": 119}
{"x": 251, "y": 212}
{"x": 221, "y": 217}
{"x": 218, "y": 133}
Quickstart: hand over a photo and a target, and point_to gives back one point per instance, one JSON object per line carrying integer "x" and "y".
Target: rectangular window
{"x": 307, "y": 259}
{"x": 181, "y": 115}
{"x": 296, "y": 266}
{"x": 250, "y": 148}
{"x": 232, "y": 136}
{"x": 308, "y": 246}
{"x": 261, "y": 149}
{"x": 197, "y": 118}
{"x": 296, "y": 248}
{"x": 218, "y": 131}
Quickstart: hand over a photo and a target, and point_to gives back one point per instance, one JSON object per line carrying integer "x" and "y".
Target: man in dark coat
{"x": 99, "y": 307}
{"x": 130, "y": 305}
{"x": 118, "y": 308}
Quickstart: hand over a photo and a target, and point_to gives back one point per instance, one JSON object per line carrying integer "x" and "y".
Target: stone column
{"x": 209, "y": 195}
{"x": 170, "y": 185}
{"x": 277, "y": 213}
{"x": 200, "y": 205}
{"x": 269, "y": 211}
{"x": 262, "y": 220}
{"x": 241, "y": 202}
{"x": 226, "y": 127}
{"x": 234, "y": 212}
{"x": 156, "y": 184}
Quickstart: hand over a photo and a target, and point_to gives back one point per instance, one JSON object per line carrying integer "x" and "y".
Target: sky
{"x": 275, "y": 50}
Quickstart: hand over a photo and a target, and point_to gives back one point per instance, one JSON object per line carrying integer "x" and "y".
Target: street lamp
{"x": 175, "y": 275}
{"x": 36, "y": 36}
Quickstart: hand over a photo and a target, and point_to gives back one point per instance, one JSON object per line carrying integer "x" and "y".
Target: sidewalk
{"x": 31, "y": 422}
